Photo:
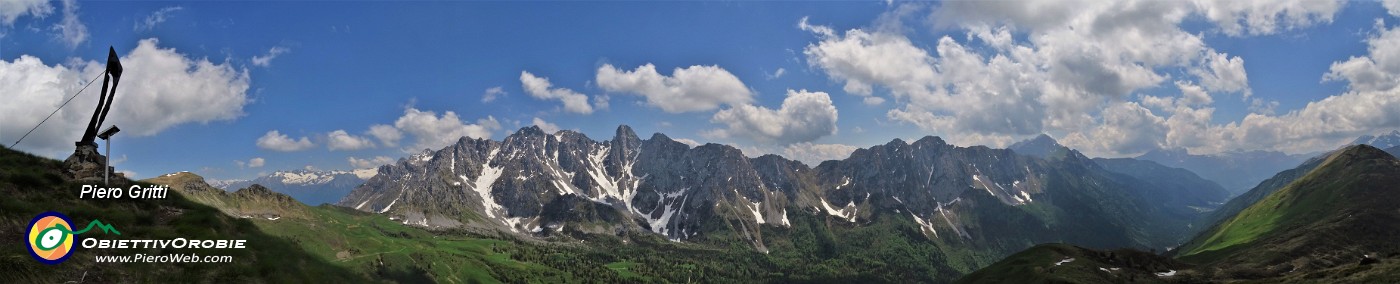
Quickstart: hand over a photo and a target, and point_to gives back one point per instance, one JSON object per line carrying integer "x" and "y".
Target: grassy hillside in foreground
{"x": 814, "y": 249}
{"x": 1061, "y": 263}
{"x": 368, "y": 244}
{"x": 31, "y": 185}
{"x": 1335, "y": 224}
{"x": 1344, "y": 208}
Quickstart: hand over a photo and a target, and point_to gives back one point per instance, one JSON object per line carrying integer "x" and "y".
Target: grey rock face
{"x": 542, "y": 184}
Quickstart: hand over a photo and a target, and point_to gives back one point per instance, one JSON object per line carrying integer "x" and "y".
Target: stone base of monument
{"x": 85, "y": 165}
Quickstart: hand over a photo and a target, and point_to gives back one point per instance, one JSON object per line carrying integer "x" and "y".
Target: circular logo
{"x": 50, "y": 239}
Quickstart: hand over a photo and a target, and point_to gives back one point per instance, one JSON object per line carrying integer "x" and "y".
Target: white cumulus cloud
{"x": 1073, "y": 68}
{"x": 369, "y": 163}
{"x": 387, "y": 134}
{"x": 277, "y": 141}
{"x": 1378, "y": 70}
{"x": 435, "y": 132}
{"x": 804, "y": 116}
{"x": 341, "y": 140}
{"x": 863, "y": 59}
{"x": 11, "y": 10}
{"x": 541, "y": 88}
{"x": 1260, "y": 17}
{"x": 691, "y": 89}
{"x": 813, "y": 154}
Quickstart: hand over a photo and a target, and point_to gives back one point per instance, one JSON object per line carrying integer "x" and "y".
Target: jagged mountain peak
{"x": 533, "y": 130}
{"x": 1043, "y": 146}
{"x": 421, "y": 157}
{"x": 659, "y": 137}
{"x": 566, "y": 134}
{"x": 931, "y": 140}
{"x": 624, "y": 133}
{"x": 625, "y": 139}
{"x": 1042, "y": 139}
{"x": 468, "y": 140}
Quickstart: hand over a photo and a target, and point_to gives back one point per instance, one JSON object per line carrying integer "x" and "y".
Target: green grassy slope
{"x": 31, "y": 185}
{"x": 816, "y": 248}
{"x": 1259, "y": 192}
{"x": 1315, "y": 229}
{"x": 1344, "y": 208}
{"x": 367, "y": 244}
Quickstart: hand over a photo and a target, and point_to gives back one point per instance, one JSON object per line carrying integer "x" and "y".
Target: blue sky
{"x": 308, "y": 68}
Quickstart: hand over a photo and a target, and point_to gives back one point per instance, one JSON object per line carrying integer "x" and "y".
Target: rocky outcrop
{"x": 545, "y": 184}
{"x": 86, "y": 164}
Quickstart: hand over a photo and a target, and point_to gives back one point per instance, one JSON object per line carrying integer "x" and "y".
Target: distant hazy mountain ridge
{"x": 1236, "y": 171}
{"x": 1383, "y": 141}
{"x": 308, "y": 186}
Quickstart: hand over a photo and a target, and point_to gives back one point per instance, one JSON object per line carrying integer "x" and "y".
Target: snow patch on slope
{"x": 482, "y": 187}
{"x": 924, "y": 226}
{"x": 785, "y": 219}
{"x": 362, "y": 204}
{"x": 999, "y": 191}
{"x": 758, "y": 212}
{"x": 391, "y": 204}
{"x": 944, "y": 213}
{"x": 849, "y": 216}
{"x": 659, "y": 224}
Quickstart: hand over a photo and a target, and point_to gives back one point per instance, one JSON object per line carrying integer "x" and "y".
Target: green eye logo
{"x": 51, "y": 236}
{"x": 49, "y": 241}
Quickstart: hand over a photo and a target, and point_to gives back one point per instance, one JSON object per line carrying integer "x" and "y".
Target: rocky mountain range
{"x": 308, "y": 186}
{"x": 543, "y": 185}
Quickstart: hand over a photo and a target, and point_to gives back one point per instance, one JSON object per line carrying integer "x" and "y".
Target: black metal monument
{"x": 86, "y": 162}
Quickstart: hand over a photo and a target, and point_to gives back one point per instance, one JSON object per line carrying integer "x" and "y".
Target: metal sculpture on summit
{"x": 86, "y": 163}
{"x": 104, "y": 102}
